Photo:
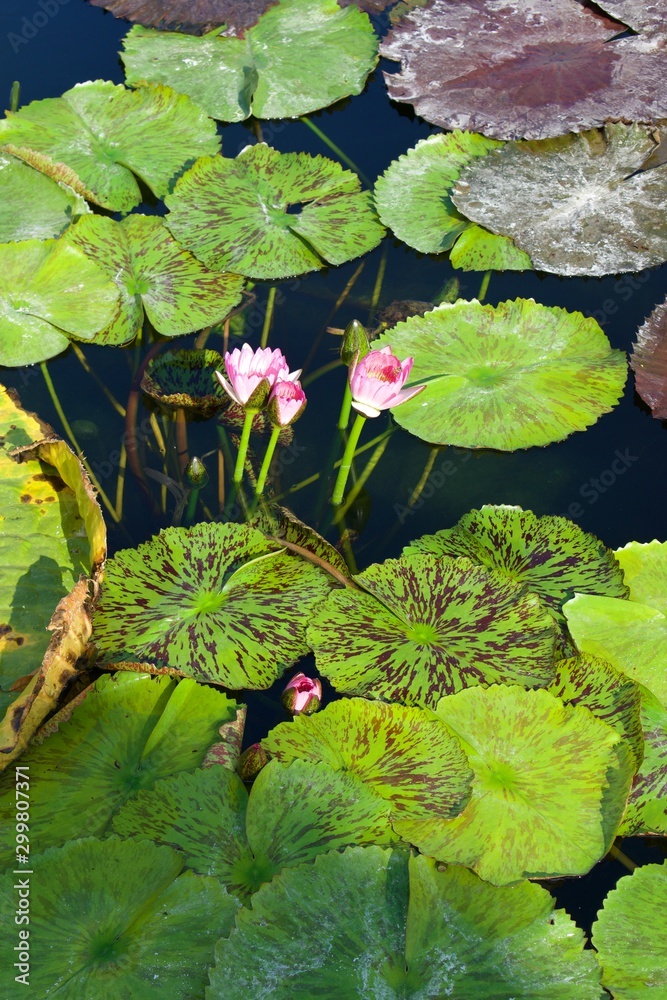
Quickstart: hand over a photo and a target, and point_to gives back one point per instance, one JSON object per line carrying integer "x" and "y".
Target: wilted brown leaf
{"x": 648, "y": 361}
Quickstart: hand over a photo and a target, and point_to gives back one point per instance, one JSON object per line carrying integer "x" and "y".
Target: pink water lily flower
{"x": 253, "y": 374}
{"x": 302, "y": 696}
{"x": 286, "y": 403}
{"x": 377, "y": 380}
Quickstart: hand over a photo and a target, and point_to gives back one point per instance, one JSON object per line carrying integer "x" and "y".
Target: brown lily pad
{"x": 648, "y": 361}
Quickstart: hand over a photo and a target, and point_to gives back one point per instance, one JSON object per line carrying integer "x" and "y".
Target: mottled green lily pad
{"x": 116, "y": 919}
{"x": 538, "y": 805}
{"x": 646, "y": 811}
{"x": 377, "y": 923}
{"x": 508, "y": 376}
{"x": 153, "y": 274}
{"x": 33, "y": 206}
{"x": 270, "y": 215}
{"x": 186, "y": 379}
{"x": 205, "y": 601}
{"x": 99, "y": 138}
{"x": 644, "y": 566}
{"x": 630, "y": 937}
{"x": 129, "y": 730}
{"x": 295, "y": 60}
{"x": 423, "y": 627}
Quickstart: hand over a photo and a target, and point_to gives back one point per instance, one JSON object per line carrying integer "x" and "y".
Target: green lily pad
{"x": 550, "y": 555}
{"x": 33, "y": 206}
{"x": 631, "y": 636}
{"x": 630, "y": 937}
{"x": 128, "y": 731}
{"x": 423, "y": 627}
{"x": 578, "y": 204}
{"x": 271, "y": 215}
{"x": 115, "y": 919}
{"x": 49, "y": 292}
{"x": 376, "y": 923}
{"x": 538, "y": 804}
{"x": 644, "y": 566}
{"x": 509, "y": 376}
{"x": 292, "y": 815}
{"x": 186, "y": 379}
{"x": 646, "y": 811}
{"x": 155, "y": 274}
{"x": 205, "y": 601}
{"x": 293, "y": 61}
{"x": 405, "y": 756}
{"x": 99, "y": 138}
{"x": 412, "y": 199}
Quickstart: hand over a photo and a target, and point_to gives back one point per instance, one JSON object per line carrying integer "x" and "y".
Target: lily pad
{"x": 377, "y": 923}
{"x": 281, "y": 524}
{"x": 194, "y": 16}
{"x": 33, "y": 206}
{"x": 509, "y": 376}
{"x": 293, "y": 814}
{"x": 423, "y": 627}
{"x": 550, "y": 555}
{"x": 116, "y": 919}
{"x": 270, "y": 215}
{"x": 155, "y": 274}
{"x": 186, "y": 379}
{"x": 412, "y": 199}
{"x": 640, "y": 15}
{"x": 99, "y": 138}
{"x": 541, "y": 773}
{"x": 295, "y": 60}
{"x": 205, "y": 601}
{"x": 630, "y": 939}
{"x": 579, "y": 204}
{"x": 648, "y": 361}
{"x": 129, "y": 730}
{"x": 646, "y": 811}
{"x": 49, "y": 292}
{"x": 404, "y": 756}
{"x": 532, "y": 70}
{"x": 644, "y": 566}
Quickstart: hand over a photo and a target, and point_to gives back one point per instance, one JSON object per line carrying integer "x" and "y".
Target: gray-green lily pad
{"x": 153, "y": 274}
{"x": 412, "y": 198}
{"x": 271, "y": 215}
{"x": 542, "y": 769}
{"x": 49, "y": 292}
{"x": 372, "y": 922}
{"x": 550, "y": 555}
{"x": 115, "y": 919}
{"x": 99, "y": 138}
{"x": 509, "y": 376}
{"x": 630, "y": 937}
{"x": 293, "y": 814}
{"x": 424, "y": 626}
{"x": 644, "y": 566}
{"x": 295, "y": 60}
{"x": 33, "y": 206}
{"x": 646, "y": 811}
{"x": 129, "y": 730}
{"x": 578, "y": 204}
{"x": 217, "y": 602}
{"x": 186, "y": 379}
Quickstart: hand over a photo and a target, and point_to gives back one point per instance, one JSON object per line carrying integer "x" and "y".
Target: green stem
{"x": 337, "y": 150}
{"x": 270, "y": 448}
{"x": 268, "y": 316}
{"x": 191, "y": 508}
{"x": 15, "y": 96}
{"x": 243, "y": 445}
{"x": 346, "y": 408}
{"x": 361, "y": 481}
{"x": 484, "y": 287}
{"x": 344, "y": 471}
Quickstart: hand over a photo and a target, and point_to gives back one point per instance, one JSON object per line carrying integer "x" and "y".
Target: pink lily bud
{"x": 286, "y": 403}
{"x": 377, "y": 380}
{"x": 252, "y": 375}
{"x": 302, "y": 696}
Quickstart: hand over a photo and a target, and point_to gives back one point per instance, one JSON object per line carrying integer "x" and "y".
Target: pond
{"x": 607, "y": 479}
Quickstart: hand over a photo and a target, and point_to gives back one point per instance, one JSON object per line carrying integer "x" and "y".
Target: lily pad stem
{"x": 268, "y": 317}
{"x": 348, "y": 455}
{"x": 484, "y": 287}
{"x": 344, "y": 418}
{"x": 250, "y": 415}
{"x": 191, "y": 509}
{"x": 270, "y": 448}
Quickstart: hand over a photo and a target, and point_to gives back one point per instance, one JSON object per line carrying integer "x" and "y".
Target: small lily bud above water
{"x": 252, "y": 375}
{"x": 286, "y": 403}
{"x": 302, "y": 696}
{"x": 377, "y": 380}
{"x": 196, "y": 474}
{"x": 252, "y": 761}
{"x": 356, "y": 344}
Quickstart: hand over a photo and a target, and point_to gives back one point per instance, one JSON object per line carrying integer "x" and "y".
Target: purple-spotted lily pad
{"x": 539, "y": 803}
{"x": 648, "y": 361}
{"x": 646, "y": 811}
{"x": 373, "y": 922}
{"x": 186, "y": 379}
{"x": 644, "y": 566}
{"x": 509, "y": 376}
{"x": 217, "y": 602}
{"x": 270, "y": 215}
{"x": 99, "y": 138}
{"x": 424, "y": 626}
{"x": 33, "y": 206}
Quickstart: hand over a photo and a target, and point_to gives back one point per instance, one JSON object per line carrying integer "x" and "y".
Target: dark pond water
{"x": 51, "y": 47}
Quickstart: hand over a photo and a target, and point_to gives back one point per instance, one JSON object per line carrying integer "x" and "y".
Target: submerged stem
{"x": 484, "y": 287}
{"x": 337, "y": 150}
{"x": 268, "y": 317}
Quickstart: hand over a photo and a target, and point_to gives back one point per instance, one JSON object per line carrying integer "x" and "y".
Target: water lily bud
{"x": 355, "y": 342}
{"x": 286, "y": 403}
{"x": 376, "y": 382}
{"x": 302, "y": 696}
{"x": 196, "y": 474}
{"x": 252, "y": 761}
